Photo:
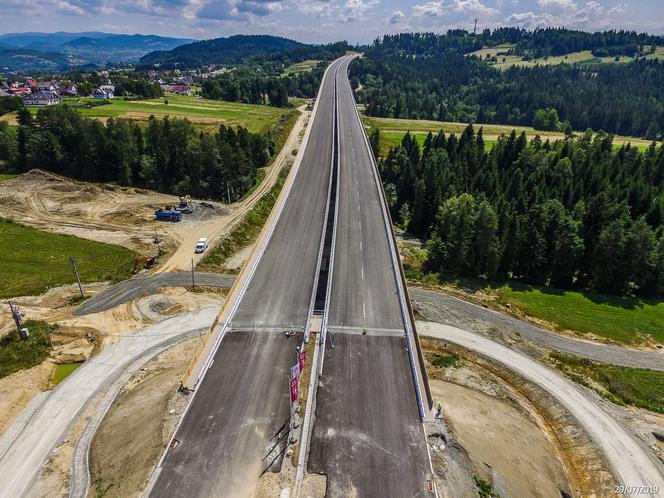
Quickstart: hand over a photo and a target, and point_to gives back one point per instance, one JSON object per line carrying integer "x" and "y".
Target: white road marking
{"x": 364, "y": 311}
{"x": 363, "y": 273}
{"x": 360, "y": 225}
{"x": 360, "y": 246}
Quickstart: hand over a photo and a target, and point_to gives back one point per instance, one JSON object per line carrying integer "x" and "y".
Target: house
{"x": 47, "y": 86}
{"x": 30, "y": 83}
{"x": 152, "y": 74}
{"x": 4, "y": 93}
{"x": 100, "y": 93}
{"x": 68, "y": 90}
{"x": 180, "y": 89}
{"x": 42, "y": 98}
{"x": 20, "y": 90}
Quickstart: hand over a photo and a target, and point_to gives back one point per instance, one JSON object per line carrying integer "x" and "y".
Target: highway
{"x": 367, "y": 438}
{"x": 236, "y": 423}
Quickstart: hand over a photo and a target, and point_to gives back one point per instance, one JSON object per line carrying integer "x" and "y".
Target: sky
{"x": 319, "y": 21}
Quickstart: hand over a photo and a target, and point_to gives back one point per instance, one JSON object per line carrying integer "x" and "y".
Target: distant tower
{"x": 475, "y": 28}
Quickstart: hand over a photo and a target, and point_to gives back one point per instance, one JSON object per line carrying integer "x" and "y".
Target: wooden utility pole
{"x": 157, "y": 241}
{"x": 193, "y": 282}
{"x": 78, "y": 278}
{"x": 475, "y": 28}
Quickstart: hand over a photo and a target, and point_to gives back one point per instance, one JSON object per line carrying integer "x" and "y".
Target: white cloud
{"x": 563, "y": 4}
{"x": 397, "y": 17}
{"x": 69, "y": 8}
{"x": 473, "y": 7}
{"x": 354, "y": 9}
{"x": 432, "y": 9}
{"x": 621, "y": 8}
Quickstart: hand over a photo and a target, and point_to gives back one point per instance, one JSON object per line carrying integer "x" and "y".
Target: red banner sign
{"x": 302, "y": 356}
{"x": 293, "y": 390}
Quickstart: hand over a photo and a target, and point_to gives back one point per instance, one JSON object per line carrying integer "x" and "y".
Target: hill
{"x": 229, "y": 50}
{"x": 49, "y": 51}
{"x": 25, "y": 59}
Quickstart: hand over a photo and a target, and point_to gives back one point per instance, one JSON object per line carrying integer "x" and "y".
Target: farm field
{"x": 35, "y": 260}
{"x": 505, "y": 61}
{"x": 393, "y": 131}
{"x": 204, "y": 113}
{"x": 301, "y": 67}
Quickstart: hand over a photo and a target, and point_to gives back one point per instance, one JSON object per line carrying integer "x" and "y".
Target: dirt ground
{"x": 133, "y": 434}
{"x": 80, "y": 337}
{"x": 556, "y": 446}
{"x": 125, "y": 216}
{"x": 505, "y": 445}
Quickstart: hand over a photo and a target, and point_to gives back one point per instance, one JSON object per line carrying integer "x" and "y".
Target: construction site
{"x": 467, "y": 399}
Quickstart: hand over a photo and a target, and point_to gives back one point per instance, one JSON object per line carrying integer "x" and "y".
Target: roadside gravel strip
{"x": 28, "y": 449}
{"x": 633, "y": 465}
{"x": 453, "y": 311}
{"x": 141, "y": 285}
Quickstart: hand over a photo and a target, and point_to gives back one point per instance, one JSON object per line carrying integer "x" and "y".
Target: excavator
{"x": 141, "y": 262}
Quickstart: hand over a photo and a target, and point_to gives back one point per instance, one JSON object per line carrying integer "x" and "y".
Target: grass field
{"x": 17, "y": 354}
{"x": 505, "y": 61}
{"x": 393, "y": 130}
{"x": 624, "y": 320}
{"x": 625, "y": 386}
{"x": 205, "y": 114}
{"x": 4, "y": 177}
{"x": 301, "y": 67}
{"x": 63, "y": 370}
{"x": 34, "y": 260}
{"x": 620, "y": 319}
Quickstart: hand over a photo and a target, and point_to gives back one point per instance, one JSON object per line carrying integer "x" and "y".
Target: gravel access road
{"x": 24, "y": 449}
{"x": 633, "y": 465}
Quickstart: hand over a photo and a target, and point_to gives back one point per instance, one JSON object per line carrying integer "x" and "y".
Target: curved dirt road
{"x": 24, "y": 449}
{"x": 632, "y": 464}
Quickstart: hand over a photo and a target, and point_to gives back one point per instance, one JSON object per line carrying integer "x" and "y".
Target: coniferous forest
{"x": 169, "y": 155}
{"x": 427, "y": 76}
{"x": 574, "y": 213}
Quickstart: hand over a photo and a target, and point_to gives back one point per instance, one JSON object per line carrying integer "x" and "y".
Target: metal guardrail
{"x": 404, "y": 302}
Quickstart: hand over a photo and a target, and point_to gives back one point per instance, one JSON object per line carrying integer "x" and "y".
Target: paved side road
{"x": 456, "y": 312}
{"x": 25, "y": 449}
{"x": 140, "y": 285}
{"x": 632, "y": 464}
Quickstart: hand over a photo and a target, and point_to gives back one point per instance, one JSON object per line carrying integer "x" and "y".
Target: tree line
{"x": 420, "y": 76}
{"x": 255, "y": 85}
{"x": 169, "y": 155}
{"x": 575, "y": 213}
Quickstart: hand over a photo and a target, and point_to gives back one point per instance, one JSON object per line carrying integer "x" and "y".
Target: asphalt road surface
{"x": 142, "y": 285}
{"x": 432, "y": 305}
{"x": 367, "y": 437}
{"x": 228, "y": 432}
{"x": 456, "y": 312}
{"x": 632, "y": 463}
{"x": 26, "y": 446}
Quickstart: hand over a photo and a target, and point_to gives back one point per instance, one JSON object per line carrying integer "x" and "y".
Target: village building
{"x": 103, "y": 93}
{"x": 42, "y": 98}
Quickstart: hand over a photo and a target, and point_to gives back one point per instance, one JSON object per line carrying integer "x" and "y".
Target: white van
{"x": 201, "y": 245}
